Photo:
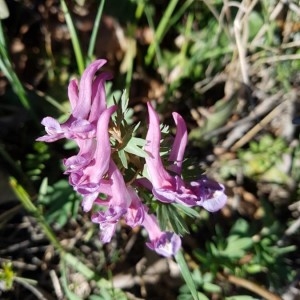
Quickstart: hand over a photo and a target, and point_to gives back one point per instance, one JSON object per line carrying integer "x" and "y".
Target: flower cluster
{"x": 93, "y": 172}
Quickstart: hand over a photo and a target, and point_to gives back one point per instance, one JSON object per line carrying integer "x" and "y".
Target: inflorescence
{"x": 97, "y": 176}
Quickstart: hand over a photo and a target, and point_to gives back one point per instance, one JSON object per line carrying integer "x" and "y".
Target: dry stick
{"x": 259, "y": 126}
{"x": 274, "y": 59}
{"x": 292, "y": 6}
{"x": 241, "y": 50}
{"x": 261, "y": 109}
{"x": 237, "y": 27}
{"x": 212, "y": 9}
{"x": 290, "y": 45}
{"x": 253, "y": 287}
{"x": 56, "y": 284}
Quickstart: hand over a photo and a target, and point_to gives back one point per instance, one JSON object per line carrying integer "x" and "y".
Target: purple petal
{"x": 164, "y": 195}
{"x": 98, "y": 97}
{"x": 168, "y": 244}
{"x": 120, "y": 196}
{"x": 90, "y": 193}
{"x": 210, "y": 193}
{"x": 178, "y": 148}
{"x": 75, "y": 163}
{"x": 159, "y": 177}
{"x": 179, "y": 193}
{"x": 50, "y": 138}
{"x": 164, "y": 243}
{"x": 83, "y": 106}
{"x": 51, "y": 126}
{"x": 112, "y": 215}
{"x": 73, "y": 93}
{"x": 88, "y": 201}
{"x": 81, "y": 129}
{"x": 136, "y": 211}
{"x": 75, "y": 179}
{"x": 86, "y": 152}
{"x": 94, "y": 172}
{"x": 88, "y": 188}
{"x": 53, "y": 129}
{"x": 107, "y": 231}
{"x": 150, "y": 223}
{"x": 215, "y": 203}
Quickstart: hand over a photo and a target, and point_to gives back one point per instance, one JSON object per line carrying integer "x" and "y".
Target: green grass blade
{"x": 95, "y": 30}
{"x": 154, "y": 45}
{"x": 74, "y": 37}
{"x": 175, "y": 18}
{"x": 186, "y": 274}
{"x": 8, "y": 71}
{"x": 160, "y": 31}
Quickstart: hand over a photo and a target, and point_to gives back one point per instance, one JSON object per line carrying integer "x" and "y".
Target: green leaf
{"x": 241, "y": 243}
{"x": 123, "y": 159}
{"x": 133, "y": 147}
{"x": 284, "y": 250}
{"x": 189, "y": 211}
{"x": 236, "y": 246}
{"x": 211, "y": 287}
{"x": 255, "y": 268}
{"x": 240, "y": 226}
{"x": 177, "y": 222}
{"x": 169, "y": 217}
{"x": 255, "y": 24}
{"x": 202, "y": 296}
{"x": 43, "y": 189}
{"x": 61, "y": 203}
{"x": 162, "y": 217}
{"x": 223, "y": 110}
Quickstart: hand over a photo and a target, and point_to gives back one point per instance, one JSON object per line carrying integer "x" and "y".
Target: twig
{"x": 251, "y": 286}
{"x": 259, "y": 126}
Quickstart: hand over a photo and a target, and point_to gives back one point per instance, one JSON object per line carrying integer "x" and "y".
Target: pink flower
{"x": 136, "y": 211}
{"x": 163, "y": 243}
{"x": 168, "y": 188}
{"x": 122, "y": 203}
{"x": 87, "y": 103}
{"x": 93, "y": 171}
{"x": 91, "y": 164}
